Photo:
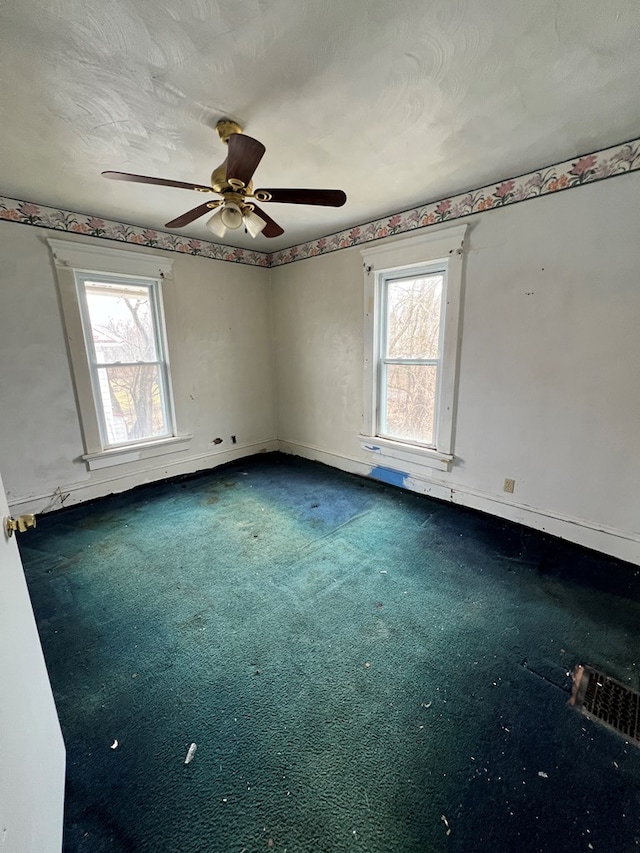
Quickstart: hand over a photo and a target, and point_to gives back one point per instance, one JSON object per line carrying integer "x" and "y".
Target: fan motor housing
{"x": 226, "y": 127}
{"x": 221, "y": 185}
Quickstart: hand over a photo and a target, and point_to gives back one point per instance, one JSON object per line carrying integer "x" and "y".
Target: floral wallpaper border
{"x": 597, "y": 166}
{"x": 607, "y": 163}
{"x": 29, "y": 213}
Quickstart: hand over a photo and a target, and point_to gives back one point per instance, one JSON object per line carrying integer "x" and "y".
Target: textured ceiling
{"x": 397, "y": 103}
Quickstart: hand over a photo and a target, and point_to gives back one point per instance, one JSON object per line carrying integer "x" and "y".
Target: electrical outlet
{"x": 509, "y": 486}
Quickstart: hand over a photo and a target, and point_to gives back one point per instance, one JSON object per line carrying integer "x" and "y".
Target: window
{"x": 124, "y": 338}
{"x": 410, "y": 355}
{"x": 412, "y": 309}
{"x": 113, "y": 315}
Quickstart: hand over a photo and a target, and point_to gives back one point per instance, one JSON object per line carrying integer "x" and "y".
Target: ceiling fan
{"x": 233, "y": 181}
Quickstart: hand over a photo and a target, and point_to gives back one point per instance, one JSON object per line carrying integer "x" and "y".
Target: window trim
{"x": 383, "y": 360}
{"x": 72, "y": 257}
{"x": 154, "y": 288}
{"x": 443, "y": 245}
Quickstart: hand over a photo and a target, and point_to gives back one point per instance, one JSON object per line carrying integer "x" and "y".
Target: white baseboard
{"x": 623, "y": 544}
{"x": 75, "y": 493}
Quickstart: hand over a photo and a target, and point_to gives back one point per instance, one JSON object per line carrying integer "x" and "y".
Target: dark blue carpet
{"x": 359, "y": 667}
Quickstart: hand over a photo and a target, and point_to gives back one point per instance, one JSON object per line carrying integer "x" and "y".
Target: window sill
{"x": 133, "y": 452}
{"x": 425, "y": 457}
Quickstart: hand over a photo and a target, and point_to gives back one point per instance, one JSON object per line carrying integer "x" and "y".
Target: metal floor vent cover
{"x": 610, "y": 702}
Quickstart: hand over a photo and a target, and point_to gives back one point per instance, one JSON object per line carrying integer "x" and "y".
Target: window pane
{"x": 413, "y": 317}
{"x": 121, "y": 320}
{"x": 132, "y": 402}
{"x": 410, "y": 402}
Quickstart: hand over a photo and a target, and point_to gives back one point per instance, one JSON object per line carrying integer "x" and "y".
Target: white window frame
{"x": 153, "y": 287}
{"x": 384, "y": 360}
{"x": 75, "y": 263}
{"x": 437, "y": 250}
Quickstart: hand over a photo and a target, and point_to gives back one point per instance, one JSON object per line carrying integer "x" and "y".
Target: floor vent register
{"x": 609, "y": 701}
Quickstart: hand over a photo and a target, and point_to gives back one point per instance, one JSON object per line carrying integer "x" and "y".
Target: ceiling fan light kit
{"x": 233, "y": 181}
{"x": 229, "y": 217}
{"x": 253, "y": 223}
{"x": 216, "y": 225}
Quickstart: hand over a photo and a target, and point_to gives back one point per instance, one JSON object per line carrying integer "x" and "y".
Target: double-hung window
{"x": 409, "y": 371}
{"x": 124, "y": 339}
{"x": 114, "y": 320}
{"x": 412, "y": 312}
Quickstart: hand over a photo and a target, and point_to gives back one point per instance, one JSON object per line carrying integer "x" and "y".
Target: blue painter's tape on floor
{"x": 388, "y": 475}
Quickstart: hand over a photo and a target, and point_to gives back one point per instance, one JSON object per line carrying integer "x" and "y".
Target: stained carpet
{"x": 361, "y": 669}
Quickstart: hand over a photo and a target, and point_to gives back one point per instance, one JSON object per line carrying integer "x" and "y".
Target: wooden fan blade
{"x": 272, "y": 228}
{"x": 244, "y": 155}
{"x": 161, "y": 182}
{"x": 189, "y": 216}
{"x": 329, "y": 198}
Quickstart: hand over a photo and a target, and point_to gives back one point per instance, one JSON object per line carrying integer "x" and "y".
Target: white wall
{"x": 219, "y": 336}
{"x": 32, "y": 754}
{"x": 549, "y": 392}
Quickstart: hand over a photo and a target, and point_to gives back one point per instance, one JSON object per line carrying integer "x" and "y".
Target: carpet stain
{"x": 196, "y": 623}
